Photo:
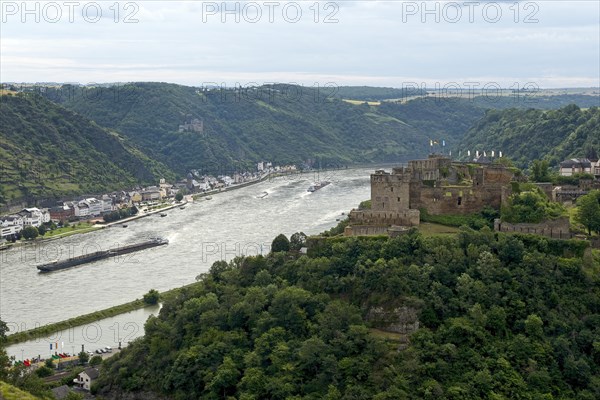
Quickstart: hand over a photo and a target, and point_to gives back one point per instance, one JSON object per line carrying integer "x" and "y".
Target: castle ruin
{"x": 437, "y": 185}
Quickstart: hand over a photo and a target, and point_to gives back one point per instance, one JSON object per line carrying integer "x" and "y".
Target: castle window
{"x": 392, "y": 188}
{"x": 459, "y": 200}
{"x": 398, "y": 199}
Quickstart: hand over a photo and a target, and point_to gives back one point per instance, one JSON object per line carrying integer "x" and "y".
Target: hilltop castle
{"x": 438, "y": 185}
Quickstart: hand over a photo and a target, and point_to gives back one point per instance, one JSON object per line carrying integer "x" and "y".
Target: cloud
{"x": 372, "y": 42}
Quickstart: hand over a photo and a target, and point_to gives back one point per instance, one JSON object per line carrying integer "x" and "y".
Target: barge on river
{"x": 100, "y": 255}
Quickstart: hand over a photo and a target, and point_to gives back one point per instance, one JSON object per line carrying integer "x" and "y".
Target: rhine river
{"x": 232, "y": 224}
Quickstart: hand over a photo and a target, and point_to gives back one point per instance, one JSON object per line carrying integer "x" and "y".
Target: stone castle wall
{"x": 557, "y": 228}
{"x": 390, "y": 192}
{"x": 385, "y": 218}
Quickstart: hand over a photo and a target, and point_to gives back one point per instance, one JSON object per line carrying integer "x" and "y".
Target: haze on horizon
{"x": 551, "y": 44}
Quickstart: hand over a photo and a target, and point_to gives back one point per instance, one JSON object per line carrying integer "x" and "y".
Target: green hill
{"x": 527, "y": 134}
{"x": 48, "y": 151}
{"x": 439, "y": 118}
{"x": 9, "y": 392}
{"x": 278, "y": 123}
{"x": 477, "y": 315}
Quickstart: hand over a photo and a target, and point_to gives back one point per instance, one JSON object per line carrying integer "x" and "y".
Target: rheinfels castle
{"x": 438, "y": 185}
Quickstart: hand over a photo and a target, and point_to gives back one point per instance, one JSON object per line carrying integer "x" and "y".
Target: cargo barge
{"x": 100, "y": 255}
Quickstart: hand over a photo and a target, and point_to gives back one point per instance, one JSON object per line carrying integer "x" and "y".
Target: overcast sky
{"x": 377, "y": 43}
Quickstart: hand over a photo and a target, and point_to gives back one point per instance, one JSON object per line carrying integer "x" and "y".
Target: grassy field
{"x": 81, "y": 227}
{"x": 431, "y": 229}
{"x": 356, "y": 102}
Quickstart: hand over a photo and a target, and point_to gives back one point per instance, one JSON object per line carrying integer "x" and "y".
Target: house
{"x": 82, "y": 209}
{"x": 11, "y": 225}
{"x": 107, "y": 203}
{"x": 575, "y": 166}
{"x": 61, "y": 213}
{"x": 135, "y": 197}
{"x": 150, "y": 194}
{"x": 33, "y": 217}
{"x": 95, "y": 206}
{"x": 85, "y": 379}
{"x": 596, "y": 169}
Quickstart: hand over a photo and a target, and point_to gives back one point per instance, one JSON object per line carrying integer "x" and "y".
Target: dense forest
{"x": 47, "y": 151}
{"x": 482, "y": 315}
{"x": 528, "y": 134}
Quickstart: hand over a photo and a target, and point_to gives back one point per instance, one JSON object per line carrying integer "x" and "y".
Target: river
{"x": 233, "y": 223}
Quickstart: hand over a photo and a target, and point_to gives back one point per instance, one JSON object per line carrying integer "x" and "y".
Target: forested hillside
{"x": 47, "y": 151}
{"x": 438, "y": 118}
{"x": 284, "y": 124}
{"x": 501, "y": 317}
{"x": 528, "y": 134}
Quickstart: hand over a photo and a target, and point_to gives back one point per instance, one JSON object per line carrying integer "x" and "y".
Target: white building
{"x": 575, "y": 166}
{"x": 107, "y": 204}
{"x": 11, "y": 225}
{"x": 95, "y": 206}
{"x": 45, "y": 215}
{"x": 82, "y": 209}
{"x": 34, "y": 217}
{"x": 85, "y": 379}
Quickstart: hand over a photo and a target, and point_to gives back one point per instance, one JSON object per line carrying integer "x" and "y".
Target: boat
{"x": 124, "y": 225}
{"x": 182, "y": 208}
{"x": 208, "y": 198}
{"x": 263, "y": 195}
{"x": 57, "y": 265}
{"x": 318, "y": 185}
{"x": 163, "y": 214}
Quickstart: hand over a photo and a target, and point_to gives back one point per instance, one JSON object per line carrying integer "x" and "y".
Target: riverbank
{"x": 50, "y": 329}
{"x": 90, "y": 228}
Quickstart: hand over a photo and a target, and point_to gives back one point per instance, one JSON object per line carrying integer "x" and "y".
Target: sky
{"x": 546, "y": 44}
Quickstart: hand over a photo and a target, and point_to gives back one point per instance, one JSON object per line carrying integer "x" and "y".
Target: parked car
{"x": 99, "y": 351}
{"x": 108, "y": 349}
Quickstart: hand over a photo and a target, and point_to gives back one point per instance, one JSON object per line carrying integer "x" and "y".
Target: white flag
{"x": 499, "y": 154}
{"x": 492, "y": 153}
{"x": 477, "y": 153}
{"x": 485, "y": 155}
{"x": 469, "y": 153}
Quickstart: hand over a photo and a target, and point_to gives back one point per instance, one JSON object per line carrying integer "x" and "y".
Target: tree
{"x": 151, "y": 297}
{"x": 179, "y": 196}
{"x": 297, "y": 241}
{"x": 42, "y": 230}
{"x": 588, "y": 211}
{"x": 4, "y": 360}
{"x": 95, "y": 361}
{"x": 280, "y": 243}
{"x": 531, "y": 206}
{"x": 83, "y": 357}
{"x": 74, "y": 396}
{"x": 539, "y": 171}
{"x": 30, "y": 232}
{"x": 44, "y": 371}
